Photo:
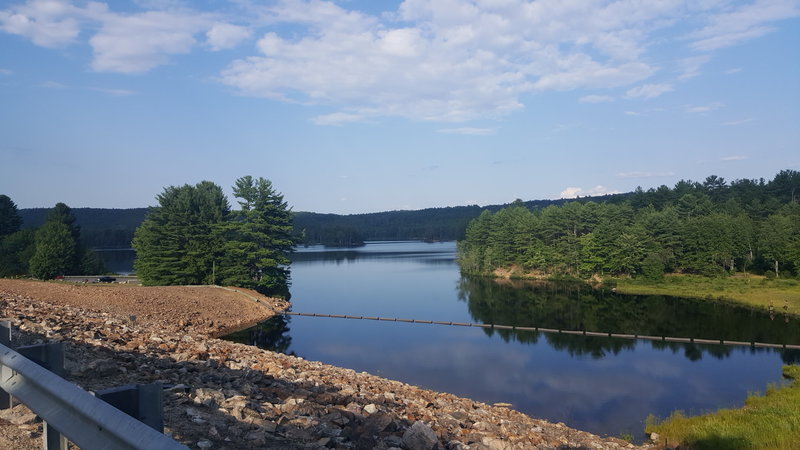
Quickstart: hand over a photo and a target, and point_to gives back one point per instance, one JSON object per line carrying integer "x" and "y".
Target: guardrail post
{"x": 51, "y": 357}
{"x": 141, "y": 401}
{"x": 5, "y": 339}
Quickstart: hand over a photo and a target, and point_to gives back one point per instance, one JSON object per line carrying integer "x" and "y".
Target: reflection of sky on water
{"x": 608, "y": 395}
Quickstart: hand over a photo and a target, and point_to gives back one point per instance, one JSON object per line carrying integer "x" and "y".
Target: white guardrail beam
{"x": 87, "y": 421}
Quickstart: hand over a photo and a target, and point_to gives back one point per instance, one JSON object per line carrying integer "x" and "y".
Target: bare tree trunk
{"x": 776, "y": 268}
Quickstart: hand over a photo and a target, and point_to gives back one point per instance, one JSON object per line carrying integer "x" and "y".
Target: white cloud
{"x": 49, "y": 23}
{"x": 690, "y": 67}
{"x": 139, "y": 42}
{"x": 745, "y": 22}
{"x": 733, "y": 71}
{"x": 596, "y": 99}
{"x": 443, "y": 60}
{"x": 644, "y": 174}
{"x": 696, "y": 109}
{"x": 470, "y": 131}
{"x": 570, "y": 192}
{"x": 6, "y": 72}
{"x": 436, "y": 60}
{"x": 733, "y": 158}
{"x": 648, "y": 91}
{"x": 574, "y": 192}
{"x": 121, "y": 42}
{"x": 224, "y": 35}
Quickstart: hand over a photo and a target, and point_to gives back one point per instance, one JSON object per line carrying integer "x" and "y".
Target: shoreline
{"x": 751, "y": 291}
{"x": 233, "y": 395}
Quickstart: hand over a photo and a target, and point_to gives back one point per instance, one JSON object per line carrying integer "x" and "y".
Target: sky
{"x": 355, "y": 106}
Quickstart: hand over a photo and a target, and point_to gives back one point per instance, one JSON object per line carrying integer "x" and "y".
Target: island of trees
{"x": 709, "y": 228}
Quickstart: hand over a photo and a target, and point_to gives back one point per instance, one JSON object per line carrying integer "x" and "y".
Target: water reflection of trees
{"x": 271, "y": 334}
{"x": 350, "y": 256}
{"x": 577, "y": 306}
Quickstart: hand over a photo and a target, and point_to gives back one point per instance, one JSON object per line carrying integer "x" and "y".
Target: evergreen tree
{"x": 712, "y": 228}
{"x": 55, "y": 251}
{"x": 10, "y": 220}
{"x": 258, "y": 239}
{"x": 61, "y": 213}
{"x": 180, "y": 240}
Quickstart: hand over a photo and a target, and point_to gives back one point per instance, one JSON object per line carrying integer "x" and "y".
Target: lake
{"x": 602, "y": 385}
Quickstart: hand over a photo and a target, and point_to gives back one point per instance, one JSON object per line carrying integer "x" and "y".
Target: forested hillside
{"x": 100, "y": 227}
{"x": 431, "y": 224}
{"x": 708, "y": 228}
{"x": 114, "y": 228}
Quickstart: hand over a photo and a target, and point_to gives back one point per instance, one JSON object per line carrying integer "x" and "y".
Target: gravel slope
{"x": 232, "y": 396}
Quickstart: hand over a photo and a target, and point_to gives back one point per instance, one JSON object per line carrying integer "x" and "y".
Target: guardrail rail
{"x": 84, "y": 419}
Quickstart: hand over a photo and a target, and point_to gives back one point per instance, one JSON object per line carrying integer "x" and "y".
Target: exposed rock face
{"x": 223, "y": 395}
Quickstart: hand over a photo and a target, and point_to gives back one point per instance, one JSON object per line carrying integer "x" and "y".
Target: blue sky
{"x": 361, "y": 106}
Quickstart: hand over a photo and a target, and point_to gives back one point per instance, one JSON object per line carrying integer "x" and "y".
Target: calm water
{"x": 117, "y": 260}
{"x": 606, "y": 386}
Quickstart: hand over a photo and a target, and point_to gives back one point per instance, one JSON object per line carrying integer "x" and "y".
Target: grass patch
{"x": 771, "y": 421}
{"x": 756, "y": 291}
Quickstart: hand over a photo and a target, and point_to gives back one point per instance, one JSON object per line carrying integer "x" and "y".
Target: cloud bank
{"x": 427, "y": 60}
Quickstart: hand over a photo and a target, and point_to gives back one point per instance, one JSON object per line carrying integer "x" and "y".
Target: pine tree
{"x": 258, "y": 239}
{"x": 10, "y": 220}
{"x": 180, "y": 240}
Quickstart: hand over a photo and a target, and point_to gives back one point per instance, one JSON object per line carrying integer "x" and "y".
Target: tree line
{"x": 193, "y": 237}
{"x": 709, "y": 228}
{"x": 54, "y": 248}
{"x": 107, "y": 228}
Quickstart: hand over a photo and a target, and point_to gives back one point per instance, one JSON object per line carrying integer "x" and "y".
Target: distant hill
{"x": 114, "y": 228}
{"x": 100, "y": 227}
{"x": 432, "y": 224}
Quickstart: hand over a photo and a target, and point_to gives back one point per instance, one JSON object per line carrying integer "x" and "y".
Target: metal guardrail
{"x": 85, "y": 420}
{"x": 685, "y": 340}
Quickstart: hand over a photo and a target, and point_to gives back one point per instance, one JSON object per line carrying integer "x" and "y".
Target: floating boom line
{"x": 682, "y": 340}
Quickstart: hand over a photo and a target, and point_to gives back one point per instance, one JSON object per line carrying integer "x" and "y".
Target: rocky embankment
{"x": 223, "y": 395}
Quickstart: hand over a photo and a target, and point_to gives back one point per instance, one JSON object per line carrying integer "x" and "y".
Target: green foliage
{"x": 771, "y": 421}
{"x": 55, "y": 251}
{"x": 193, "y": 237}
{"x": 10, "y": 220}
{"x": 16, "y": 250}
{"x": 180, "y": 240}
{"x": 708, "y": 228}
{"x": 16, "y": 247}
{"x": 258, "y": 239}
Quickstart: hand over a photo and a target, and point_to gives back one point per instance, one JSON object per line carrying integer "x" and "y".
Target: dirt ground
{"x": 209, "y": 310}
{"x": 217, "y": 309}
